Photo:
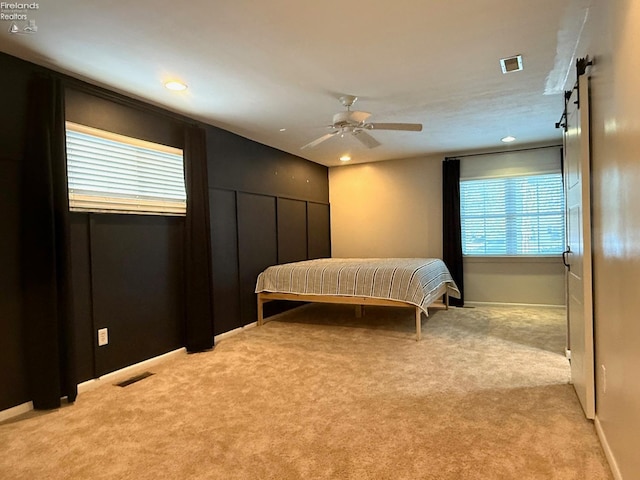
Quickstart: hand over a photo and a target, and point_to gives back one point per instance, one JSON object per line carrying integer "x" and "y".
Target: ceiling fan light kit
{"x": 354, "y": 122}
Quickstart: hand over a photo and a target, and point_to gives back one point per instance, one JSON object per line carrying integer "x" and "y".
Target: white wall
{"x": 514, "y": 280}
{"x": 394, "y": 209}
{"x": 387, "y": 209}
{"x": 611, "y": 37}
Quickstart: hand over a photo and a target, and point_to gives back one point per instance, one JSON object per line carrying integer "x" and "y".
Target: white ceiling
{"x": 256, "y": 66}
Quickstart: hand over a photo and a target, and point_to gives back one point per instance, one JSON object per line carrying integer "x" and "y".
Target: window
{"x": 517, "y": 215}
{"x": 113, "y": 173}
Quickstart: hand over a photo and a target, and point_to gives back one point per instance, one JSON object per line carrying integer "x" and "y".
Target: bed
{"x": 397, "y": 282}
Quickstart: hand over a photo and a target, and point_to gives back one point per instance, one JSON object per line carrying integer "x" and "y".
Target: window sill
{"x": 511, "y": 259}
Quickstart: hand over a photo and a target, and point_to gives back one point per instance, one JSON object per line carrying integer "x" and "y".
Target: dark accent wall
{"x": 257, "y": 245}
{"x": 224, "y": 256}
{"x": 85, "y": 333}
{"x": 13, "y": 84}
{"x": 137, "y": 282}
{"x": 127, "y": 269}
{"x": 236, "y": 163}
{"x": 318, "y": 232}
{"x": 12, "y": 364}
{"x": 292, "y": 230}
{"x": 127, "y": 277}
{"x": 267, "y": 207}
{"x": 107, "y": 114}
{"x": 275, "y": 208}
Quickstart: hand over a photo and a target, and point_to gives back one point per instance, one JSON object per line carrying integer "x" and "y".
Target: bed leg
{"x": 446, "y": 300}
{"x": 418, "y": 324}
{"x": 260, "y": 312}
{"x": 358, "y": 311}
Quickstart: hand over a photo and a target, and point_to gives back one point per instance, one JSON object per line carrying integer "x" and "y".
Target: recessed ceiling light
{"x": 283, "y": 129}
{"x": 508, "y": 139}
{"x": 345, "y": 158}
{"x": 175, "y": 86}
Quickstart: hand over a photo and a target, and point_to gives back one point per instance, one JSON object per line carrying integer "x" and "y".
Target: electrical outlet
{"x": 103, "y": 336}
{"x": 604, "y": 379}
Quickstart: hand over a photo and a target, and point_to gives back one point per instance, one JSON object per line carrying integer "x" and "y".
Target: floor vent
{"x": 135, "y": 379}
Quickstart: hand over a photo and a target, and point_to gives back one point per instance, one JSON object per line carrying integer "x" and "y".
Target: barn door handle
{"x": 564, "y": 257}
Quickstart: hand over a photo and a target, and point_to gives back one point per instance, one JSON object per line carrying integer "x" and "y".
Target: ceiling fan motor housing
{"x": 352, "y": 118}
{"x": 354, "y": 122}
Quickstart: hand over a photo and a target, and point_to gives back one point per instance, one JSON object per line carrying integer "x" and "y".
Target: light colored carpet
{"x": 319, "y": 394}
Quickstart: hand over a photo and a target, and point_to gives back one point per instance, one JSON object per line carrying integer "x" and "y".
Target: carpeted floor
{"x": 319, "y": 394}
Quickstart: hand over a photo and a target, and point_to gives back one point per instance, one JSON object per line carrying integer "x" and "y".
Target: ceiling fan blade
{"x": 366, "y": 139}
{"x": 318, "y": 141}
{"x": 411, "y": 127}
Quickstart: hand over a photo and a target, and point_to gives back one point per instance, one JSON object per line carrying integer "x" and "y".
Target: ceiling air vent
{"x": 511, "y": 64}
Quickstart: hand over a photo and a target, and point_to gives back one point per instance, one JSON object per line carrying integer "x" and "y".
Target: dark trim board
{"x": 82, "y": 296}
{"x": 224, "y": 257}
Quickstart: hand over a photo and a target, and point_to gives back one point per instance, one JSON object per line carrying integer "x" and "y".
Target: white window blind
{"x": 516, "y": 215}
{"x": 107, "y": 172}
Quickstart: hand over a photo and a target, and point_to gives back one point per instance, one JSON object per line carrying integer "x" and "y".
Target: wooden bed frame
{"x": 359, "y": 302}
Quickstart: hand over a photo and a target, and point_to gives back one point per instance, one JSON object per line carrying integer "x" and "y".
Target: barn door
{"x": 578, "y": 256}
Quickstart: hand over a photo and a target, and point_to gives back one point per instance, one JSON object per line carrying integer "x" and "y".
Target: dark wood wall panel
{"x": 249, "y": 168}
{"x": 318, "y": 230}
{"x": 137, "y": 277}
{"x": 13, "y": 375}
{"x": 13, "y": 385}
{"x": 96, "y": 112}
{"x": 292, "y": 230}
{"x": 82, "y": 301}
{"x": 224, "y": 248}
{"x": 98, "y": 254}
{"x": 236, "y": 163}
{"x": 13, "y": 114}
{"x": 257, "y": 246}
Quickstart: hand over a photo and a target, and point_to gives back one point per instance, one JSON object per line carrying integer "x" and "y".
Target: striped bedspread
{"x": 412, "y": 280}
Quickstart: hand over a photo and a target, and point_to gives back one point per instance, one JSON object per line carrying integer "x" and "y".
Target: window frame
{"x": 123, "y": 203}
{"x": 511, "y": 223}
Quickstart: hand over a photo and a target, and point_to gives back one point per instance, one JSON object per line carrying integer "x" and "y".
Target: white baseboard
{"x": 607, "y": 450}
{"x": 113, "y": 377}
{"x": 278, "y": 315}
{"x": 126, "y": 372}
{"x": 499, "y": 304}
{"x": 233, "y": 332}
{"x": 15, "y": 411}
{"x": 238, "y": 330}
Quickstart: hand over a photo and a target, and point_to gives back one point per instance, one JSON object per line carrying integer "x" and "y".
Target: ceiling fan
{"x": 355, "y": 123}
